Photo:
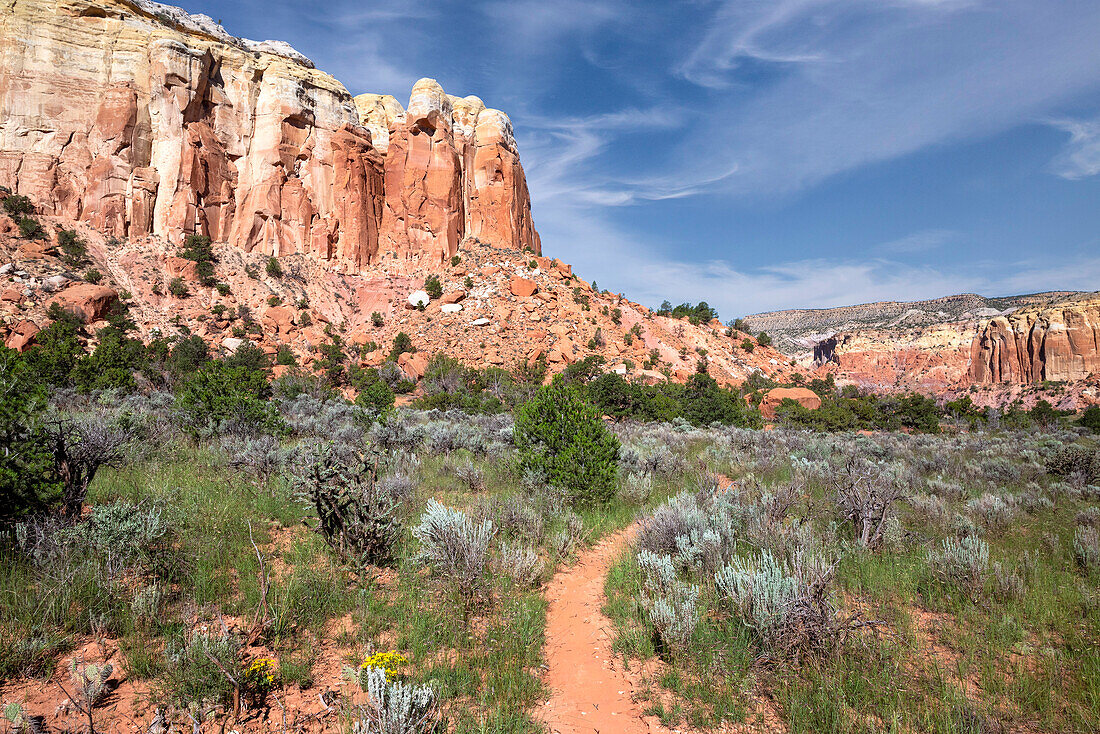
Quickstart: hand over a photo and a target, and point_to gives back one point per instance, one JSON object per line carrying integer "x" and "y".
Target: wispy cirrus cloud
{"x": 838, "y": 84}
{"x": 1081, "y": 156}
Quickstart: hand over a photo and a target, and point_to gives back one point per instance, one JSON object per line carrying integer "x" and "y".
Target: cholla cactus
{"x": 395, "y": 707}
{"x": 360, "y": 517}
{"x": 90, "y": 679}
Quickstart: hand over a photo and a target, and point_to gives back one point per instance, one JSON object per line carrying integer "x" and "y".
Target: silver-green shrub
{"x": 521, "y": 563}
{"x": 962, "y": 561}
{"x": 395, "y": 707}
{"x": 455, "y": 547}
{"x": 1086, "y": 547}
{"x": 787, "y": 604}
{"x": 671, "y": 605}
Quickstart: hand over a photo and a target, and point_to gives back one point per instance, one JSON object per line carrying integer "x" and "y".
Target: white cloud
{"x": 599, "y": 249}
{"x": 838, "y": 84}
{"x": 1081, "y": 157}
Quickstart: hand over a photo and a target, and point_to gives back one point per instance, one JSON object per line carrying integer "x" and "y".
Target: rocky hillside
{"x": 140, "y": 119}
{"x": 133, "y": 125}
{"x": 497, "y": 307}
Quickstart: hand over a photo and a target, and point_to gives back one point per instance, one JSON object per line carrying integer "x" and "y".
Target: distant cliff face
{"x": 140, "y": 119}
{"x": 1057, "y": 343}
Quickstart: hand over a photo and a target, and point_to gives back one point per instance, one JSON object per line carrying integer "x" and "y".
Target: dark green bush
{"x": 178, "y": 288}
{"x": 375, "y": 395}
{"x": 17, "y": 205}
{"x": 187, "y": 356}
{"x": 1090, "y": 419}
{"x": 433, "y": 287}
{"x": 199, "y": 250}
{"x": 561, "y": 436}
{"x": 27, "y": 485}
{"x": 30, "y": 229}
{"x": 402, "y": 344}
{"x": 57, "y": 348}
{"x": 274, "y": 269}
{"x": 73, "y": 250}
{"x": 220, "y": 392}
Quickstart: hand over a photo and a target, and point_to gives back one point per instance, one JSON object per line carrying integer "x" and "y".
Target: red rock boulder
{"x": 22, "y": 336}
{"x": 522, "y": 287}
{"x": 413, "y": 365}
{"x": 87, "y": 302}
{"x": 806, "y": 398}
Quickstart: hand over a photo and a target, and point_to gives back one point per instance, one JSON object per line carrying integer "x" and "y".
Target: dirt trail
{"x": 590, "y": 693}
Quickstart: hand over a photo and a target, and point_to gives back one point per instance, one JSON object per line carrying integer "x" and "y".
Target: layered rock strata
{"x": 1058, "y": 343}
{"x": 140, "y": 119}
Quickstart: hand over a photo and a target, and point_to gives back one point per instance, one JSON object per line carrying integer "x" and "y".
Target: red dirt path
{"x": 591, "y": 694}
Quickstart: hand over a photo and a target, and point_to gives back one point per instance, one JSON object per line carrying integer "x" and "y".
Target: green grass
{"x": 1021, "y": 660}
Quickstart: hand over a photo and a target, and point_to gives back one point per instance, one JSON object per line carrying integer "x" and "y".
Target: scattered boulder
{"x": 414, "y": 365}
{"x": 418, "y": 299}
{"x": 453, "y": 297}
{"x": 522, "y": 287}
{"x": 480, "y": 322}
{"x": 179, "y": 267}
{"x": 85, "y": 301}
{"x": 232, "y": 343}
{"x": 280, "y": 318}
{"x": 803, "y": 396}
{"x": 22, "y": 336}
{"x": 451, "y": 307}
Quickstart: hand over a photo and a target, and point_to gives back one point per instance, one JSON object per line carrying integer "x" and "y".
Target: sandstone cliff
{"x": 140, "y": 119}
{"x": 1057, "y": 343}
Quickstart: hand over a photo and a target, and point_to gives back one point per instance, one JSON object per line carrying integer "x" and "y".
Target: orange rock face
{"x": 1036, "y": 344}
{"x": 108, "y": 116}
{"x": 803, "y": 396}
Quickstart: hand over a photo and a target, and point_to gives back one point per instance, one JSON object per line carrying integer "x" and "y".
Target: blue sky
{"x": 764, "y": 154}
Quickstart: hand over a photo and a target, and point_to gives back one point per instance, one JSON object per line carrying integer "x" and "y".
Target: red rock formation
{"x": 520, "y": 286}
{"x": 110, "y": 116}
{"x": 801, "y": 395}
{"x": 87, "y": 302}
{"x": 22, "y": 336}
{"x": 1056, "y": 343}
